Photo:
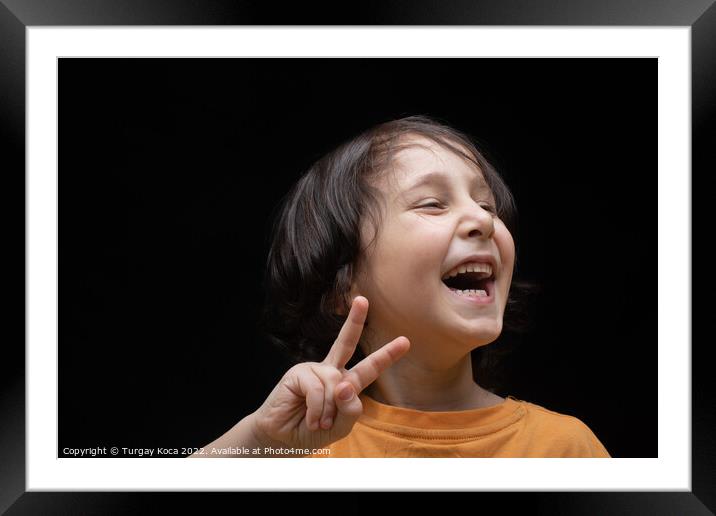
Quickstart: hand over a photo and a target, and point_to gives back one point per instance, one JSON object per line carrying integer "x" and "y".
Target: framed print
{"x": 164, "y": 155}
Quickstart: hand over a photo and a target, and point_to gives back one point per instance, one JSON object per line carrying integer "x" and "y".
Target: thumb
{"x": 348, "y": 404}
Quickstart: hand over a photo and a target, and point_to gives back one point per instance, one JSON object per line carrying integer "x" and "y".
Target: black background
{"x": 169, "y": 172}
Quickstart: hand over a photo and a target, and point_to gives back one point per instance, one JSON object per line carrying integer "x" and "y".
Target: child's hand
{"x": 306, "y": 409}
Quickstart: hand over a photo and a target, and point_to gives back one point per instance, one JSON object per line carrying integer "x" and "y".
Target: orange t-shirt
{"x": 513, "y": 428}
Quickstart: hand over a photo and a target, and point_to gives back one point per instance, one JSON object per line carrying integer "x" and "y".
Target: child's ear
{"x": 342, "y": 301}
{"x": 344, "y": 305}
{"x": 339, "y": 305}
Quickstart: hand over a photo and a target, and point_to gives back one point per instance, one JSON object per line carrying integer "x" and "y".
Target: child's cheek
{"x": 505, "y": 246}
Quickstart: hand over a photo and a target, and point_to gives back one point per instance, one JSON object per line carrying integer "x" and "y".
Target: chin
{"x": 483, "y": 342}
{"x": 481, "y": 333}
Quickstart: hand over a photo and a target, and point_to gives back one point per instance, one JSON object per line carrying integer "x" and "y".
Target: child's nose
{"x": 479, "y": 223}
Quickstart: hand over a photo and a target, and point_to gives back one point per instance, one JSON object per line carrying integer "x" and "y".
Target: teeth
{"x": 485, "y": 269}
{"x": 471, "y": 292}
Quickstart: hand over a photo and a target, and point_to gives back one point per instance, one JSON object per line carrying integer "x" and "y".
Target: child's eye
{"x": 437, "y": 203}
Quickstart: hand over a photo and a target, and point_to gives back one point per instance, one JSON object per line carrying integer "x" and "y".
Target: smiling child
{"x": 391, "y": 261}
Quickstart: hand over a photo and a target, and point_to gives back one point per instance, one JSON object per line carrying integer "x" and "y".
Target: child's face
{"x": 419, "y": 242}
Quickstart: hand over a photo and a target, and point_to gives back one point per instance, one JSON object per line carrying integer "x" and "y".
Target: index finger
{"x": 370, "y": 368}
{"x": 347, "y": 340}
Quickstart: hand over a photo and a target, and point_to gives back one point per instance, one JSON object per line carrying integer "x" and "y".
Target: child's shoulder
{"x": 542, "y": 411}
{"x": 545, "y": 416}
{"x": 560, "y": 426}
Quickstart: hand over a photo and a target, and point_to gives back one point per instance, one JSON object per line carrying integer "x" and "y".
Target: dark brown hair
{"x": 316, "y": 241}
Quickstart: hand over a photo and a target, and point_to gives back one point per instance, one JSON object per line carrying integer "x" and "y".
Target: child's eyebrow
{"x": 440, "y": 177}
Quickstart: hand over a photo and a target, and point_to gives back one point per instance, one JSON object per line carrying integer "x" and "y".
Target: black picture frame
{"x": 17, "y": 15}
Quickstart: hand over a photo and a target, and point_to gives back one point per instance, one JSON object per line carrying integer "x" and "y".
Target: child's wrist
{"x": 268, "y": 446}
{"x": 261, "y": 440}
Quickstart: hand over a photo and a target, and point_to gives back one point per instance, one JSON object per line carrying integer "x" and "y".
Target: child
{"x": 398, "y": 242}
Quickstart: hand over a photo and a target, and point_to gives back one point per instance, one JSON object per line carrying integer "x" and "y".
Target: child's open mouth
{"x": 474, "y": 287}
